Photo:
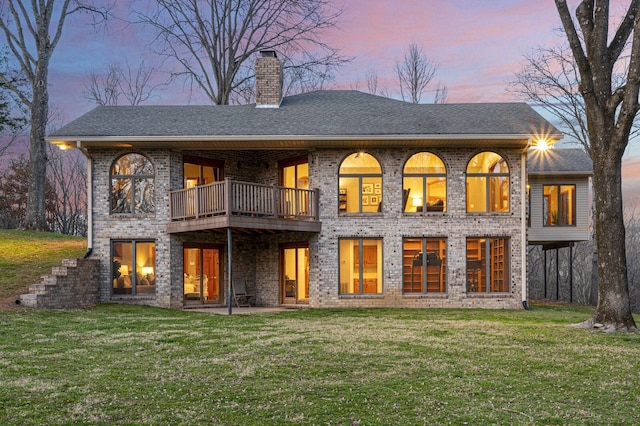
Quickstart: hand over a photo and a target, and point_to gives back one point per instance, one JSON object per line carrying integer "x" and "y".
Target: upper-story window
{"x": 360, "y": 187}
{"x": 487, "y": 183}
{"x": 201, "y": 171}
{"x": 424, "y": 184}
{"x": 132, "y": 185}
{"x": 559, "y": 205}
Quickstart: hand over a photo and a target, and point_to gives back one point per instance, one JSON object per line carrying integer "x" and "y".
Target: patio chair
{"x": 240, "y": 295}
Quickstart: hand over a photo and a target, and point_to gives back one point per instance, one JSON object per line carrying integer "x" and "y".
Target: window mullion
{"x": 134, "y": 266}
{"x": 361, "y": 266}
{"x": 424, "y": 265}
{"x": 487, "y": 266}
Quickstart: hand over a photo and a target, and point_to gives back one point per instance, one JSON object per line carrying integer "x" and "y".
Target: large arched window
{"x": 360, "y": 188}
{"x": 424, "y": 184}
{"x": 487, "y": 183}
{"x": 132, "y": 185}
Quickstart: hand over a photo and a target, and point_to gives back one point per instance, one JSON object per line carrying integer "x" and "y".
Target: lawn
{"x": 117, "y": 364}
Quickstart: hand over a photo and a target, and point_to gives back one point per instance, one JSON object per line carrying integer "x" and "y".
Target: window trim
{"x": 487, "y": 267}
{"x": 361, "y": 278}
{"x": 424, "y": 273}
{"x": 424, "y": 177}
{"x": 360, "y": 177}
{"x": 487, "y": 177}
{"x": 134, "y": 179}
{"x": 134, "y": 271}
{"x": 573, "y": 206}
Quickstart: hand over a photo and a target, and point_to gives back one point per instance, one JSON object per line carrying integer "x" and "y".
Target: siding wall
{"x": 538, "y": 233}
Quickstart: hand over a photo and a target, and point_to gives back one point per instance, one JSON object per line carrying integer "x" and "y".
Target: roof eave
{"x": 263, "y": 141}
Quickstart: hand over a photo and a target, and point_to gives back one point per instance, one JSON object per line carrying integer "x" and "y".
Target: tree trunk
{"x": 35, "y": 218}
{"x": 613, "y": 310}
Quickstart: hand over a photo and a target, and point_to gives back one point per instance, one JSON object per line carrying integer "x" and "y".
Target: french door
{"x": 201, "y": 274}
{"x": 294, "y": 273}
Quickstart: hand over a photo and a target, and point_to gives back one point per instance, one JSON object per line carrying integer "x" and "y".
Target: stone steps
{"x": 75, "y": 284}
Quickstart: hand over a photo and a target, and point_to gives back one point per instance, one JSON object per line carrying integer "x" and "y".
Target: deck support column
{"x": 230, "y": 270}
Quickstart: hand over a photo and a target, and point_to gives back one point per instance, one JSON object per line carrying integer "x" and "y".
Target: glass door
{"x": 295, "y": 273}
{"x": 201, "y": 274}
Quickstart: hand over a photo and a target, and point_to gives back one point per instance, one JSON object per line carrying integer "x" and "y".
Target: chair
{"x": 240, "y": 295}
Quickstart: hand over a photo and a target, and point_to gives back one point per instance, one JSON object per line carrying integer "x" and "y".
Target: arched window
{"x": 424, "y": 184}
{"x": 360, "y": 190}
{"x": 132, "y": 185}
{"x": 487, "y": 183}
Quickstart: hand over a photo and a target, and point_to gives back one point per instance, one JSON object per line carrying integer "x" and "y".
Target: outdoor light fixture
{"x": 542, "y": 145}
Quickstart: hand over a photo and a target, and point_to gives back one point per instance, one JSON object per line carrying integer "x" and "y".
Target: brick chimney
{"x": 268, "y": 80}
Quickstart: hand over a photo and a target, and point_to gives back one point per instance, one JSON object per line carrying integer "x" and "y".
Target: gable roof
{"x": 315, "y": 116}
{"x": 558, "y": 161}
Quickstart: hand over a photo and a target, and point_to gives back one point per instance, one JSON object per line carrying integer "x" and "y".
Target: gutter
{"x": 89, "y": 199}
{"x": 524, "y": 202}
{"x": 61, "y": 140}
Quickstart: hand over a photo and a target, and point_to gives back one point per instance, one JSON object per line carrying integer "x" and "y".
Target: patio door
{"x": 201, "y": 274}
{"x": 295, "y": 273}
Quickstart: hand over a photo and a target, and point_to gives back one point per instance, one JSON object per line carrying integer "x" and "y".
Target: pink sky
{"x": 478, "y": 46}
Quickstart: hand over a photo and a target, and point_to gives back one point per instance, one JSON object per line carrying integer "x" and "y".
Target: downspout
{"x": 89, "y": 199}
{"x": 524, "y": 201}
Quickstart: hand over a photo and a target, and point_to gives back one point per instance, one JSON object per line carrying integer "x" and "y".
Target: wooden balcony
{"x": 245, "y": 207}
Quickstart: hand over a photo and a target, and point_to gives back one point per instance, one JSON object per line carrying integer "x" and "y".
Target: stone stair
{"x": 73, "y": 285}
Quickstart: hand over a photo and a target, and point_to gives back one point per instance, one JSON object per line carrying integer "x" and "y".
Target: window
{"x": 201, "y": 171}
{"x": 132, "y": 186}
{"x": 360, "y": 180}
{"x": 424, "y": 184}
{"x": 487, "y": 183}
{"x": 294, "y": 172}
{"x": 487, "y": 265}
{"x": 133, "y": 267}
{"x": 559, "y": 205}
{"x": 360, "y": 266}
{"x": 423, "y": 265}
{"x": 294, "y": 175}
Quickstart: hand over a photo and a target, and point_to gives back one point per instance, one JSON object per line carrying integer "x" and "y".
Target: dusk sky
{"x": 478, "y": 46}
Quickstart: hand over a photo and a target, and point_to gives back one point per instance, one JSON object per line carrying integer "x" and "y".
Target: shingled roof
{"x": 560, "y": 161}
{"x": 313, "y": 115}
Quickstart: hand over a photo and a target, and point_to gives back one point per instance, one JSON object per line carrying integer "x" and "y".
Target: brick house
{"x": 326, "y": 199}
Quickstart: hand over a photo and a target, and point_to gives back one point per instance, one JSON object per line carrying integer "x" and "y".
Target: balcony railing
{"x": 230, "y": 197}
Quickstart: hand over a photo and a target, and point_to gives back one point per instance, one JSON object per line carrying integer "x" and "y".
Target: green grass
{"x": 25, "y": 256}
{"x": 117, "y": 364}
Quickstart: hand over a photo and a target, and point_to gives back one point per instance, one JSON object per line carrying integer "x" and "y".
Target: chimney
{"x": 268, "y": 80}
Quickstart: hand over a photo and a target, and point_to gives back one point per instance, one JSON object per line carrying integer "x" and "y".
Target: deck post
{"x": 197, "y": 200}
{"x": 276, "y": 201}
{"x": 227, "y": 188}
{"x": 230, "y": 268}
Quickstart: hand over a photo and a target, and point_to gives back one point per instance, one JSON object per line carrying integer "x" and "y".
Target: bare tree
{"x": 32, "y": 30}
{"x": 372, "y": 82}
{"x": 214, "y": 40}
{"x": 441, "y": 94}
{"x": 550, "y": 78}
{"x": 67, "y": 175}
{"x": 136, "y": 85}
{"x": 104, "y": 89}
{"x": 610, "y": 111}
{"x": 414, "y": 73}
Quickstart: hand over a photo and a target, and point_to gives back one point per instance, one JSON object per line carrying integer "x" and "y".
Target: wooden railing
{"x": 230, "y": 197}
